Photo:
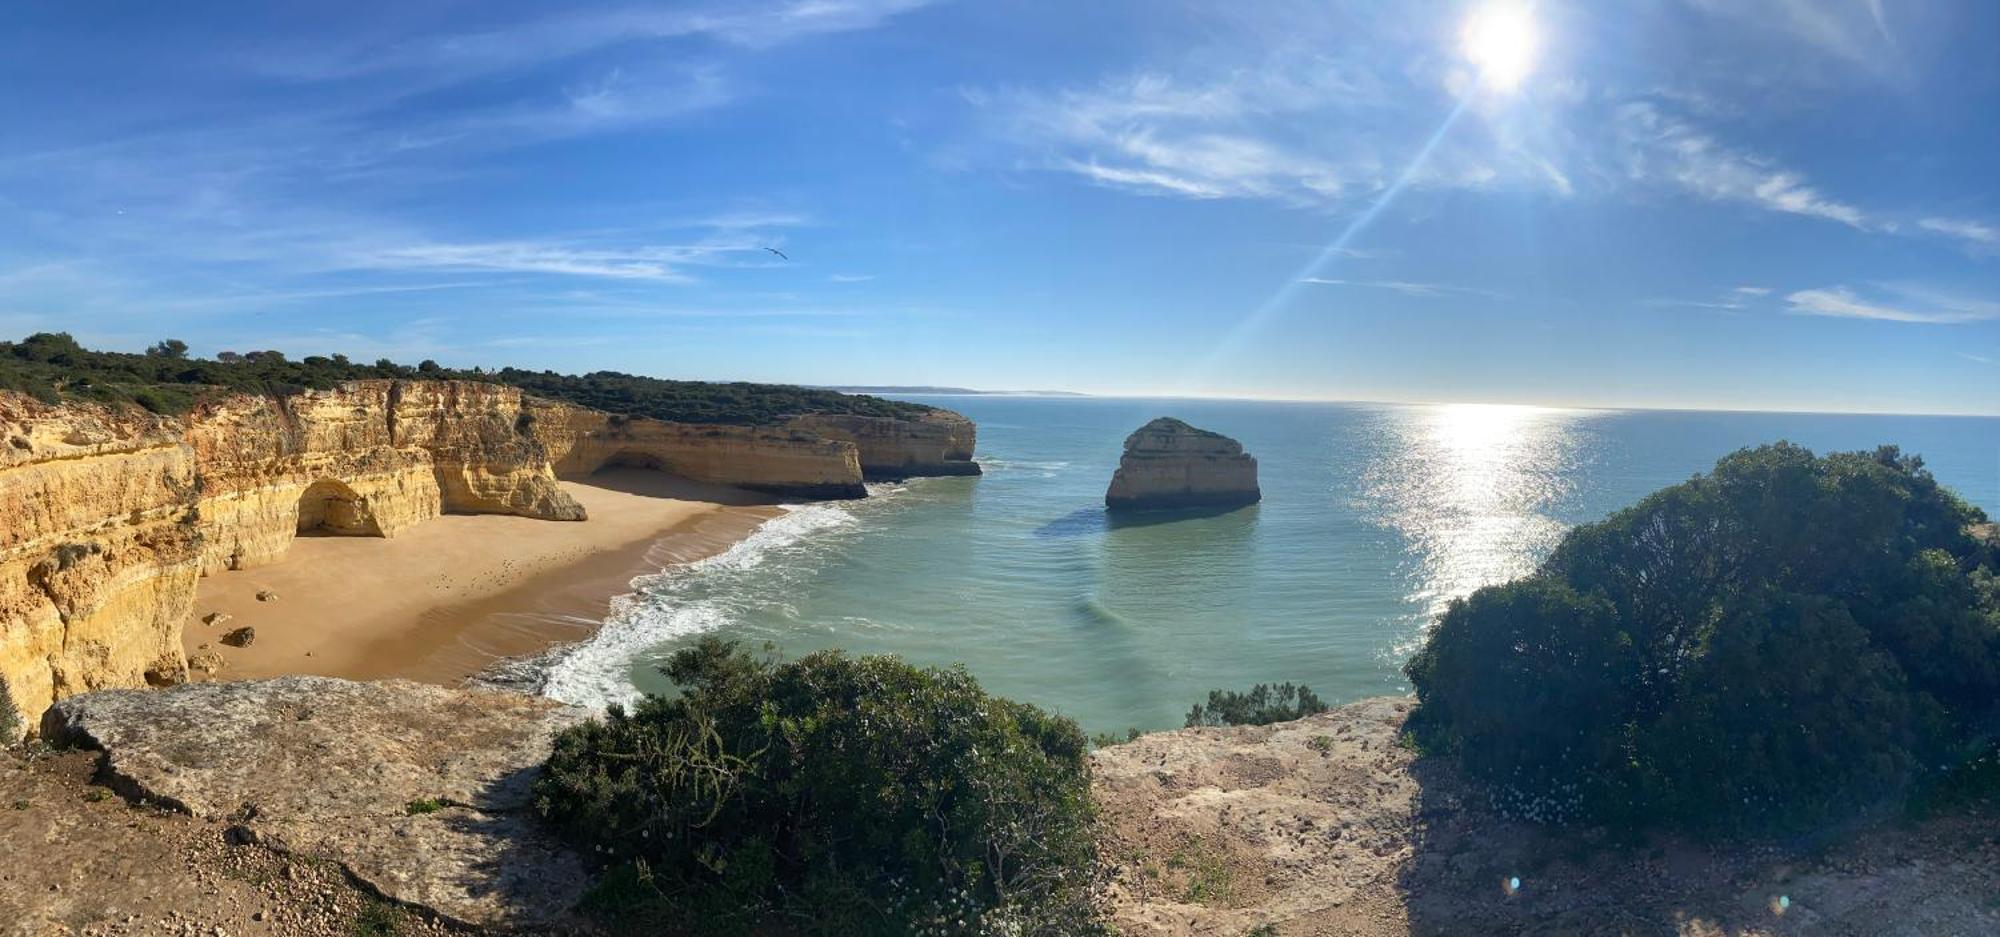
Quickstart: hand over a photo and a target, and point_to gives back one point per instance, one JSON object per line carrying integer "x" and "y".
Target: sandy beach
{"x": 453, "y": 596}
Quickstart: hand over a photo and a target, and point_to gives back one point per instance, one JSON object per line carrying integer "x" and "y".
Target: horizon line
{"x": 913, "y": 390}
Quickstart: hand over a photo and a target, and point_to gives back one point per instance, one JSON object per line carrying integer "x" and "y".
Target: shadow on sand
{"x": 654, "y": 483}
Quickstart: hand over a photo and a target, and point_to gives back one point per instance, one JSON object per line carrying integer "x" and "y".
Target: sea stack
{"x": 1169, "y": 464}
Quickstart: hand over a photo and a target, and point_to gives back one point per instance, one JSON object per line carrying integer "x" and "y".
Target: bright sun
{"x": 1499, "y": 39}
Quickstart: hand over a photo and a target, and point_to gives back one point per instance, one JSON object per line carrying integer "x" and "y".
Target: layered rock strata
{"x": 371, "y": 458}
{"x": 939, "y": 442}
{"x": 1169, "y": 464}
{"x": 99, "y": 549}
{"x": 772, "y": 459}
{"x": 109, "y": 515}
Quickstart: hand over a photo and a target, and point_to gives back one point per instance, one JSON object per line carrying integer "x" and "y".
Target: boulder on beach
{"x": 1170, "y": 464}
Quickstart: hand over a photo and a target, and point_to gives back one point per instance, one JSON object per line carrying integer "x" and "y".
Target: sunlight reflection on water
{"x": 1472, "y": 488}
{"x": 1374, "y": 517}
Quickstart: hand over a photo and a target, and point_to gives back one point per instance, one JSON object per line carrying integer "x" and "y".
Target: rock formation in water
{"x": 1169, "y": 464}
{"x": 109, "y": 515}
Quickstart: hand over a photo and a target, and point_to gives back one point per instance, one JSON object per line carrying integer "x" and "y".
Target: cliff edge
{"x": 1170, "y": 464}
{"x": 1331, "y": 825}
{"x": 1324, "y": 825}
{"x": 420, "y": 792}
{"x": 109, "y": 515}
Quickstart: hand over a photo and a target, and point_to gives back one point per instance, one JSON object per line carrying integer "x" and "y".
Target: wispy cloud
{"x": 1731, "y": 300}
{"x": 739, "y": 245}
{"x": 1662, "y": 148}
{"x": 273, "y": 193}
{"x": 465, "y": 55}
{"x": 1155, "y": 133}
{"x": 633, "y": 264}
{"x": 1304, "y": 104}
{"x": 1969, "y": 356}
{"x": 1856, "y": 31}
{"x": 850, "y": 278}
{"x": 1406, "y": 287}
{"x": 1977, "y": 234}
{"x": 1912, "y": 305}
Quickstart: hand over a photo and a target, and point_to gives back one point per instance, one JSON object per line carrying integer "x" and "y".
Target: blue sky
{"x": 1785, "y": 204}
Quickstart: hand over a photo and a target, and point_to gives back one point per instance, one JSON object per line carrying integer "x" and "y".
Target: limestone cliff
{"x": 98, "y": 549}
{"x": 371, "y": 458}
{"x": 939, "y": 442}
{"x": 1169, "y": 464}
{"x": 108, "y": 516}
{"x": 777, "y": 460}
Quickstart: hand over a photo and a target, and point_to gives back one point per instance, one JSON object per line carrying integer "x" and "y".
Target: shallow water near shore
{"x": 1374, "y": 517}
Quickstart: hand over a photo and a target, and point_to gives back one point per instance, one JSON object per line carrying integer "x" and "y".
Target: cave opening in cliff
{"x": 330, "y": 508}
{"x": 628, "y": 458}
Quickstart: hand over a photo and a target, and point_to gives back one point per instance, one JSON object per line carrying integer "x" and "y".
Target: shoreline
{"x": 461, "y": 595}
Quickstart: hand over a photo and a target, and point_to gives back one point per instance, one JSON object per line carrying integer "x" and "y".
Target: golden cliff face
{"x": 777, "y": 460}
{"x": 98, "y": 549}
{"x": 108, "y": 517}
{"x": 372, "y": 458}
{"x": 939, "y": 442}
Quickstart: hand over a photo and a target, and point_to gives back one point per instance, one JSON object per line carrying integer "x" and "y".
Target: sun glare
{"x": 1499, "y": 39}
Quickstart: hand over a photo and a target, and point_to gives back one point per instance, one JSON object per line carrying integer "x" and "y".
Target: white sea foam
{"x": 682, "y": 601}
{"x": 1042, "y": 469}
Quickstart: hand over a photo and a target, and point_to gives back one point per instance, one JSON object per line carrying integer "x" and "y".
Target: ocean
{"x": 1374, "y": 517}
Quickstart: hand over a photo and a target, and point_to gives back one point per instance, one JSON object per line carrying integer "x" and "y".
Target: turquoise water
{"x": 1373, "y": 517}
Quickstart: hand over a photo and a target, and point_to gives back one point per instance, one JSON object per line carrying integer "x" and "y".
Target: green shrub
{"x": 840, "y": 795}
{"x": 378, "y": 918}
{"x": 1783, "y": 641}
{"x": 1263, "y": 705}
{"x": 1107, "y": 739}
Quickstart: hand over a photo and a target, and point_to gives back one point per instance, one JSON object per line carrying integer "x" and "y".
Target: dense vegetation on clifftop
{"x": 837, "y": 795}
{"x": 1780, "y": 643}
{"x": 52, "y": 367}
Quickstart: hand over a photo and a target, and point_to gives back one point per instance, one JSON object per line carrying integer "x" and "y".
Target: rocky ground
{"x": 1326, "y": 826}
{"x": 320, "y": 806}
{"x": 76, "y": 859}
{"x": 414, "y": 793}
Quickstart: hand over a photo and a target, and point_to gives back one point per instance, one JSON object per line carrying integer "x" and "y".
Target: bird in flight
{"x": 777, "y": 252}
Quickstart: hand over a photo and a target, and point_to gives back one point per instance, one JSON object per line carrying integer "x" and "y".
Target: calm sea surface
{"x": 1373, "y": 517}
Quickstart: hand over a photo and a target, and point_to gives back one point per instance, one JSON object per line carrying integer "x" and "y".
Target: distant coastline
{"x": 929, "y": 391}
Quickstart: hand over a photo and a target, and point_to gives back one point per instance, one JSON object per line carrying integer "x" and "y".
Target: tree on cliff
{"x": 840, "y": 795}
{"x": 168, "y": 348}
{"x": 1784, "y": 640}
